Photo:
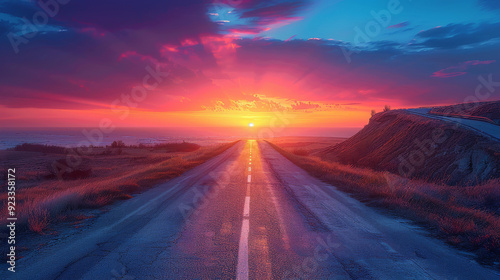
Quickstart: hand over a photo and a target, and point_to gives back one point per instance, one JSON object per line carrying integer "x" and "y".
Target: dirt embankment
{"x": 487, "y": 111}
{"x": 419, "y": 147}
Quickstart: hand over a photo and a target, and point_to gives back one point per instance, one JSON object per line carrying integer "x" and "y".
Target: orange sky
{"x": 138, "y": 118}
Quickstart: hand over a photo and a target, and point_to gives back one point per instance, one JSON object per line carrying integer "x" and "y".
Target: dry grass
{"x": 393, "y": 139}
{"x": 38, "y": 219}
{"x": 301, "y": 152}
{"x": 51, "y": 200}
{"x": 465, "y": 216}
{"x": 486, "y": 111}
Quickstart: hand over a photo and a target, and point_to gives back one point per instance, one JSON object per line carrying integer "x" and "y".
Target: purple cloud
{"x": 459, "y": 70}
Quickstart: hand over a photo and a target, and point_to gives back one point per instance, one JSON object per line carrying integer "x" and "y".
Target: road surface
{"x": 247, "y": 214}
{"x": 486, "y": 129}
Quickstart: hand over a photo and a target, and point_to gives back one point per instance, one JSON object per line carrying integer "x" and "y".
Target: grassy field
{"x": 105, "y": 175}
{"x": 466, "y": 217}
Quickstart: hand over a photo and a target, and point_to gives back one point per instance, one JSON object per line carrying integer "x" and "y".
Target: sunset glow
{"x": 236, "y": 62}
{"x": 250, "y": 139}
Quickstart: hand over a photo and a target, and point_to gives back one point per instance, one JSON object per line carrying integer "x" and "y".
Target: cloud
{"x": 114, "y": 15}
{"x": 490, "y": 4}
{"x": 457, "y": 35}
{"x": 263, "y": 103}
{"x": 104, "y": 47}
{"x": 271, "y": 12}
{"x": 255, "y": 16}
{"x": 18, "y": 8}
{"x": 5, "y": 28}
{"x": 248, "y": 103}
{"x": 383, "y": 71}
{"x": 305, "y": 106}
{"x": 252, "y": 30}
{"x": 399, "y": 25}
{"x": 459, "y": 70}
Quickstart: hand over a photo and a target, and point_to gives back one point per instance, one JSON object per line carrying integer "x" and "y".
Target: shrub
{"x": 301, "y": 152}
{"x": 28, "y": 147}
{"x": 63, "y": 170}
{"x": 117, "y": 144}
{"x": 38, "y": 220}
{"x": 177, "y": 147}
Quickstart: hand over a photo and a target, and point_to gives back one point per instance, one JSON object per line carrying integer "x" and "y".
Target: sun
{"x": 250, "y": 124}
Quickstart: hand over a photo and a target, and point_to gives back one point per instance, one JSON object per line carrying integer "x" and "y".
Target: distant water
{"x": 10, "y": 137}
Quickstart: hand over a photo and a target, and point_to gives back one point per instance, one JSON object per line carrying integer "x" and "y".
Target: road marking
{"x": 246, "y": 208}
{"x": 242, "y": 269}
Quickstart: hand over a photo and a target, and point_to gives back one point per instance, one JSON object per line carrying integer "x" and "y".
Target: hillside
{"x": 419, "y": 147}
{"x": 489, "y": 110}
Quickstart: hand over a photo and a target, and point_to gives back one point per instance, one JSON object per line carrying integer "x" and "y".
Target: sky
{"x": 200, "y": 63}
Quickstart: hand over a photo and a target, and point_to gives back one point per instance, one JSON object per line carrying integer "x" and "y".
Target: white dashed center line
{"x": 242, "y": 269}
{"x": 246, "y": 209}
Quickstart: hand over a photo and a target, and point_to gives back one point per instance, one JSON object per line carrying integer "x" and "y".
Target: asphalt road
{"x": 247, "y": 214}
